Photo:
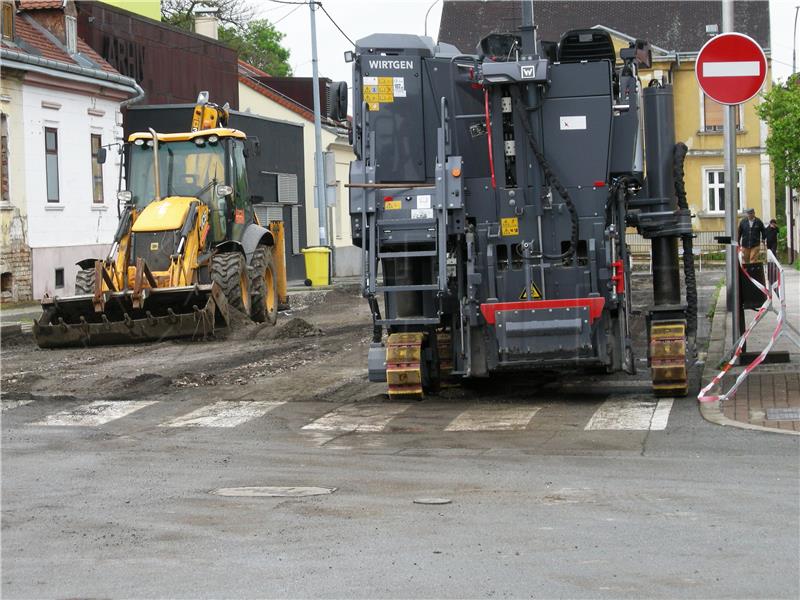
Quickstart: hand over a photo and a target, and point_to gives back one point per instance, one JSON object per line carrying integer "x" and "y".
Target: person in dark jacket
{"x": 771, "y": 236}
{"x": 751, "y": 230}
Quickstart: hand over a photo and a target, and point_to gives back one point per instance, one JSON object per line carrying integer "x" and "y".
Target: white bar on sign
{"x": 95, "y": 413}
{"x": 493, "y": 418}
{"x": 225, "y": 413}
{"x": 743, "y": 68}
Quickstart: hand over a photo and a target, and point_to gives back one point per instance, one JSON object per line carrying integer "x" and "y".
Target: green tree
{"x": 256, "y": 40}
{"x": 259, "y": 44}
{"x": 781, "y": 111}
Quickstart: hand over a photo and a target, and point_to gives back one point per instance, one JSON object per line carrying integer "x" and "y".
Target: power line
{"x": 335, "y": 24}
{"x": 288, "y": 14}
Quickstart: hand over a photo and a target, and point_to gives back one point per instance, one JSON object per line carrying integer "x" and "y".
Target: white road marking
{"x": 225, "y": 413}
{"x": 636, "y": 415}
{"x": 661, "y": 414}
{"x": 493, "y": 418}
{"x": 95, "y": 413}
{"x": 361, "y": 417}
{"x": 9, "y": 404}
{"x": 742, "y": 68}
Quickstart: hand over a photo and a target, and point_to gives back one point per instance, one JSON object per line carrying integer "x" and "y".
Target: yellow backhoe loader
{"x": 188, "y": 248}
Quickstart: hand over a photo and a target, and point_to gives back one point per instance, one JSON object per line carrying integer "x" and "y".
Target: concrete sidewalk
{"x": 769, "y": 399}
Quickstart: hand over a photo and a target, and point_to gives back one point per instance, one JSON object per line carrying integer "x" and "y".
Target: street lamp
{"x": 435, "y": 2}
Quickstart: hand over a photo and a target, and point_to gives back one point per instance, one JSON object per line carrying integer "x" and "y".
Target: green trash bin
{"x": 318, "y": 261}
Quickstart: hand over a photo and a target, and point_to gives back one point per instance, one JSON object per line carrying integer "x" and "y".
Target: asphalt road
{"x": 581, "y": 488}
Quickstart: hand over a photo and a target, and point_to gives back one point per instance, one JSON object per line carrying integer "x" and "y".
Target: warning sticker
{"x": 535, "y": 294}
{"x": 399, "y": 87}
{"x": 509, "y": 227}
{"x": 373, "y": 106}
{"x": 379, "y": 89}
{"x": 424, "y": 201}
{"x": 392, "y": 205}
{"x": 421, "y": 213}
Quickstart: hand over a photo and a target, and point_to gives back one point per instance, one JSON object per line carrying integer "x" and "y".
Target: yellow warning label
{"x": 373, "y": 106}
{"x": 535, "y": 295}
{"x": 509, "y": 227}
{"x": 153, "y": 246}
{"x": 378, "y": 89}
{"x": 392, "y": 205}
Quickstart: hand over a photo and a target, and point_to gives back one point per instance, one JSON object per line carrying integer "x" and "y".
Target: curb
{"x": 716, "y": 349}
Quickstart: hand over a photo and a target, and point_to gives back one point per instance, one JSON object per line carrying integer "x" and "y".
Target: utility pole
{"x": 731, "y": 198}
{"x": 790, "y": 227}
{"x": 319, "y": 184}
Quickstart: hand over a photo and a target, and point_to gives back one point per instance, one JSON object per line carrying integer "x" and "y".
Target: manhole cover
{"x": 274, "y": 491}
{"x": 432, "y": 501}
{"x": 783, "y": 414}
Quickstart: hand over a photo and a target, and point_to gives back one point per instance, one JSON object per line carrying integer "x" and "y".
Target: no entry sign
{"x": 731, "y": 68}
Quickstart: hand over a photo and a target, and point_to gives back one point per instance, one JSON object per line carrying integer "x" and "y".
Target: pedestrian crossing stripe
{"x": 535, "y": 294}
{"x": 638, "y": 413}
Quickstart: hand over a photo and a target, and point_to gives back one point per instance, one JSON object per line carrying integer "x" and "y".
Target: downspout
{"x": 73, "y": 72}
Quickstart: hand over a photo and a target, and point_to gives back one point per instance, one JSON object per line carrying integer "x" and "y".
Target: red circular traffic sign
{"x": 731, "y": 68}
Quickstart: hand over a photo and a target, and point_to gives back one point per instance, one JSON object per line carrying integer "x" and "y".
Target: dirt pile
{"x": 296, "y": 328}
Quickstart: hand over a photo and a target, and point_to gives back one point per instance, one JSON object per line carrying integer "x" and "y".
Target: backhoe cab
{"x": 188, "y": 246}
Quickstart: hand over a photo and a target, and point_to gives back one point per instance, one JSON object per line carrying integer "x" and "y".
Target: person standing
{"x": 771, "y": 237}
{"x": 751, "y": 230}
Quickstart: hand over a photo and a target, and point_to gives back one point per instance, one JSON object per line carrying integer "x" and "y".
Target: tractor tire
{"x": 229, "y": 270}
{"x": 263, "y": 287}
{"x": 84, "y": 281}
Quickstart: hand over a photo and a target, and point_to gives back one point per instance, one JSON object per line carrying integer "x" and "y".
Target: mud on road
{"x": 315, "y": 349}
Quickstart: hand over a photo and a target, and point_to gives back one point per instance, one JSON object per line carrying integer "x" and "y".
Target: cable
{"x": 335, "y": 24}
{"x": 688, "y": 256}
{"x": 287, "y": 14}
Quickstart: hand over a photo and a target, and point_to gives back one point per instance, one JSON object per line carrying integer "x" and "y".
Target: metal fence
{"x": 704, "y": 246}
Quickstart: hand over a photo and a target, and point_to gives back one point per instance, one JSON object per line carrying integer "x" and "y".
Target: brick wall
{"x": 15, "y": 257}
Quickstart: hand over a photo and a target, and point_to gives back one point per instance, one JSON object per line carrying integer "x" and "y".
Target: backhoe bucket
{"x": 123, "y": 317}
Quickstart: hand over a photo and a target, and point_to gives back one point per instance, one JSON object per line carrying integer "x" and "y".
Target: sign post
{"x": 731, "y": 68}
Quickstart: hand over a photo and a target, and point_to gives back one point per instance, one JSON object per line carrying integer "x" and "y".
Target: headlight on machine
{"x": 124, "y": 196}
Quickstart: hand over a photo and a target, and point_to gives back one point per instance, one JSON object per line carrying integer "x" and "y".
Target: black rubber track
{"x": 84, "y": 281}
{"x": 226, "y": 269}
{"x": 262, "y": 260}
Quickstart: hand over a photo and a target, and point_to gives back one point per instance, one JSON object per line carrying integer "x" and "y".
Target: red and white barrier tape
{"x": 770, "y": 291}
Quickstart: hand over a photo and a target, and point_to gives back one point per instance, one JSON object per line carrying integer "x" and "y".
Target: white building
{"x": 60, "y": 103}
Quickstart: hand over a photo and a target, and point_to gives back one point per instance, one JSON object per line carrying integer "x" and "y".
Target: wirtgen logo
{"x": 391, "y": 64}
{"x": 528, "y": 72}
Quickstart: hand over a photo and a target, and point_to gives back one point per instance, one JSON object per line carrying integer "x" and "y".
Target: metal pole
{"x": 434, "y": 3}
{"x": 528, "y": 28}
{"x": 789, "y": 203}
{"x": 731, "y": 197}
{"x": 319, "y": 184}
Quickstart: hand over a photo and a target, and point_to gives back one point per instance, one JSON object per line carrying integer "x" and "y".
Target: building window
{"x": 714, "y": 181}
{"x": 5, "y": 197}
{"x": 97, "y": 170}
{"x": 59, "y": 278}
{"x": 8, "y": 19}
{"x": 714, "y": 115}
{"x": 7, "y": 282}
{"x": 51, "y": 162}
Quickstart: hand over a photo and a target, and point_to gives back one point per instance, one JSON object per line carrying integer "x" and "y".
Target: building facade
{"x": 61, "y": 103}
{"x": 698, "y": 120}
{"x": 256, "y": 96}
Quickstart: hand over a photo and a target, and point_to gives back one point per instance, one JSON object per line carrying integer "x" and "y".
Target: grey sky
{"x": 359, "y": 18}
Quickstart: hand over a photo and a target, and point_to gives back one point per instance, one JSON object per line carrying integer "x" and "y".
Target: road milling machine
{"x": 491, "y": 196}
{"x": 187, "y": 250}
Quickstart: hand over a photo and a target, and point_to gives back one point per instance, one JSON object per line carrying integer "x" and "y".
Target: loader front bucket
{"x": 122, "y": 318}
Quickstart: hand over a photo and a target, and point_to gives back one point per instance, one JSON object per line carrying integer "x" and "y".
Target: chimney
{"x": 205, "y": 21}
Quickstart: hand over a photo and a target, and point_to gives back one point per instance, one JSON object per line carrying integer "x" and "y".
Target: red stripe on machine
{"x": 595, "y": 306}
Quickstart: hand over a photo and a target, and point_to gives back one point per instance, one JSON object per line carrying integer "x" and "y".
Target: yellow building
{"x": 146, "y": 8}
{"x": 698, "y": 123}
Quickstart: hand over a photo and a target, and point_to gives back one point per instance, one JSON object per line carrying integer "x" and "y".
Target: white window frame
{"x": 706, "y": 187}
{"x": 5, "y": 119}
{"x": 739, "y": 129}
{"x": 71, "y": 34}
